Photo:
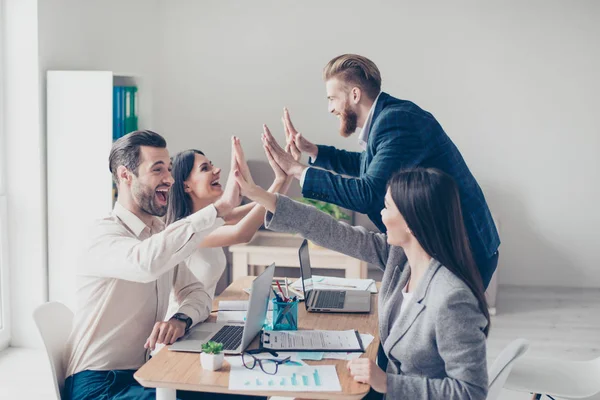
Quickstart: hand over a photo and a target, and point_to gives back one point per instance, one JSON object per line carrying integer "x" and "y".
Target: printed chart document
{"x": 330, "y": 341}
{"x": 333, "y": 283}
{"x": 321, "y": 378}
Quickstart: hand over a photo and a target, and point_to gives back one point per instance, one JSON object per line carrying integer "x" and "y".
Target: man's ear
{"x": 124, "y": 174}
{"x": 355, "y": 95}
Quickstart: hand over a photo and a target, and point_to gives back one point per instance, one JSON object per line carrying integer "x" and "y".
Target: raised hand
{"x": 293, "y": 136}
{"x": 240, "y": 160}
{"x": 279, "y": 173}
{"x": 231, "y": 197}
{"x": 285, "y": 160}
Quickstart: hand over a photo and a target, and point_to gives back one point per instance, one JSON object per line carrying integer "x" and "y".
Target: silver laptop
{"x": 318, "y": 300}
{"x": 234, "y": 336}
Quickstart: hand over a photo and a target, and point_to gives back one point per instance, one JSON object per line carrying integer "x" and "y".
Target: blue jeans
{"x": 121, "y": 385}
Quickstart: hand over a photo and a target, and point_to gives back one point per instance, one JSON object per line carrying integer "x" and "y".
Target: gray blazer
{"x": 437, "y": 348}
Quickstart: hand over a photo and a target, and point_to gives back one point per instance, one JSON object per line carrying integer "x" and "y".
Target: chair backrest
{"x": 502, "y": 365}
{"x": 54, "y": 321}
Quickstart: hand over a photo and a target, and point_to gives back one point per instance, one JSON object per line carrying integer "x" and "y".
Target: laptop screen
{"x": 305, "y": 270}
{"x": 258, "y": 305}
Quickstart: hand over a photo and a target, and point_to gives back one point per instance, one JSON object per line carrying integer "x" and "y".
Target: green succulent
{"x": 211, "y": 347}
{"x": 327, "y": 208}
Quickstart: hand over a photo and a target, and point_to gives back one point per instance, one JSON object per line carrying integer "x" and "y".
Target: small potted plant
{"x": 211, "y": 357}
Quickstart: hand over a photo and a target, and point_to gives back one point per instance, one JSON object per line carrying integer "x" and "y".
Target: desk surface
{"x": 175, "y": 370}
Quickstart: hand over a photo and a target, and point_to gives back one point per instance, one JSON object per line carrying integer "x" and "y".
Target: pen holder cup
{"x": 285, "y": 315}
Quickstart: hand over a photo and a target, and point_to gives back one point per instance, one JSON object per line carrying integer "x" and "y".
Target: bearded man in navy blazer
{"x": 395, "y": 134}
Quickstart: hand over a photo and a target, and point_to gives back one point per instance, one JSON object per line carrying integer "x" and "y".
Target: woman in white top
{"x": 197, "y": 186}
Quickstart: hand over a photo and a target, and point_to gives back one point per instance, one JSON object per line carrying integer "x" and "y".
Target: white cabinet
{"x": 79, "y": 138}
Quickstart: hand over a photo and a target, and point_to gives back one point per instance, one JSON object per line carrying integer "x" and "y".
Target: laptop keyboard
{"x": 330, "y": 299}
{"x": 230, "y": 336}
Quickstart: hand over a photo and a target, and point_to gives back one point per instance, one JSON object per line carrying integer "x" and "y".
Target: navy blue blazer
{"x": 402, "y": 135}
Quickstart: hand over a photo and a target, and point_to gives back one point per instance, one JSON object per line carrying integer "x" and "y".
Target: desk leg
{"x": 353, "y": 270}
{"x": 240, "y": 266}
{"x": 364, "y": 270}
{"x": 166, "y": 394}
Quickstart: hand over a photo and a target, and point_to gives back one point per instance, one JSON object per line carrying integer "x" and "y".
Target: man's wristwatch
{"x": 182, "y": 317}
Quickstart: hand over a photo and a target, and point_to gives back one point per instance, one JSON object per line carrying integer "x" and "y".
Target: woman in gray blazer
{"x": 433, "y": 318}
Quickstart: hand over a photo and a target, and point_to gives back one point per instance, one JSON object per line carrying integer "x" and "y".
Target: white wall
{"x": 25, "y": 148}
{"x": 110, "y": 35}
{"x": 514, "y": 83}
{"x": 104, "y": 35}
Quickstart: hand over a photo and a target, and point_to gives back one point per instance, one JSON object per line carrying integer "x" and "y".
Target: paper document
{"x": 236, "y": 305}
{"x": 312, "y": 340}
{"x": 366, "y": 338}
{"x": 322, "y": 378}
{"x": 332, "y": 283}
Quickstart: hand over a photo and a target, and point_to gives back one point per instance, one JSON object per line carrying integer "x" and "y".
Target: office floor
{"x": 558, "y": 322}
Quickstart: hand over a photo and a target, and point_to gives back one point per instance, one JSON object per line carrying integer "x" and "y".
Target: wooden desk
{"x": 282, "y": 248}
{"x": 169, "y": 370}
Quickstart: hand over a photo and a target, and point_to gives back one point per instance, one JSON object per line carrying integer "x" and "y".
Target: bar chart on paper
{"x": 322, "y": 378}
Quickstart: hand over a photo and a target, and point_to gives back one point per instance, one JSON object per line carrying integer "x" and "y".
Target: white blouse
{"x": 207, "y": 265}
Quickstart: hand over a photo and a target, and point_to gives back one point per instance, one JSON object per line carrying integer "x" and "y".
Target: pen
{"x": 276, "y": 295}
{"x": 281, "y": 290}
{"x": 287, "y": 290}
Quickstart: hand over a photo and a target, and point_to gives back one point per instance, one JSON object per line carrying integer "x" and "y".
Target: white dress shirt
{"x": 363, "y": 138}
{"x": 126, "y": 273}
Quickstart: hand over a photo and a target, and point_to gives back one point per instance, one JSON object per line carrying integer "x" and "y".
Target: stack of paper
{"x": 333, "y": 283}
{"x": 307, "y": 340}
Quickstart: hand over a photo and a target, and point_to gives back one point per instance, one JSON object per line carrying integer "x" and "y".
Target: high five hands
{"x": 287, "y": 159}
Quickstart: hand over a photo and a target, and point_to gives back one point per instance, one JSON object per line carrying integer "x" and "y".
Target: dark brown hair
{"x": 126, "y": 150}
{"x": 429, "y": 201}
{"x": 180, "y": 203}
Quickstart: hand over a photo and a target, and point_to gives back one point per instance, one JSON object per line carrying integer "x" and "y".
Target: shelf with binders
{"x": 125, "y": 111}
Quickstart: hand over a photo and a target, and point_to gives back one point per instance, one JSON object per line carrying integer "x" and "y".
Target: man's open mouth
{"x": 161, "y": 195}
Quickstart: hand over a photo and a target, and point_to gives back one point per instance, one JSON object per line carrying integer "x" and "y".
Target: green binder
{"x": 131, "y": 119}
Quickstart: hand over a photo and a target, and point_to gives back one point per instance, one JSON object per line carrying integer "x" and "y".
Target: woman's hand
{"x": 231, "y": 197}
{"x": 240, "y": 161}
{"x": 280, "y": 175}
{"x": 366, "y": 371}
{"x": 253, "y": 191}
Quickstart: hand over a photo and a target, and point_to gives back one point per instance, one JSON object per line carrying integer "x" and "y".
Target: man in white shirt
{"x": 127, "y": 270}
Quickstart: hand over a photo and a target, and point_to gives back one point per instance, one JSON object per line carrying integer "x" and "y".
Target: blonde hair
{"x": 357, "y": 71}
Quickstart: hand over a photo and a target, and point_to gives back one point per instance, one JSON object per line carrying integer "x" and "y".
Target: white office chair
{"x": 502, "y": 366}
{"x": 54, "y": 321}
{"x": 556, "y": 377}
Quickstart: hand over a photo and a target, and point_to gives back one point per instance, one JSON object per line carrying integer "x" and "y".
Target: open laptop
{"x": 234, "y": 336}
{"x": 318, "y": 300}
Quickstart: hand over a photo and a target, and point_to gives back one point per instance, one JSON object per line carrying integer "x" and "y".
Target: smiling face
{"x": 203, "y": 182}
{"x": 398, "y": 232}
{"x": 150, "y": 188}
{"x": 340, "y": 105}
